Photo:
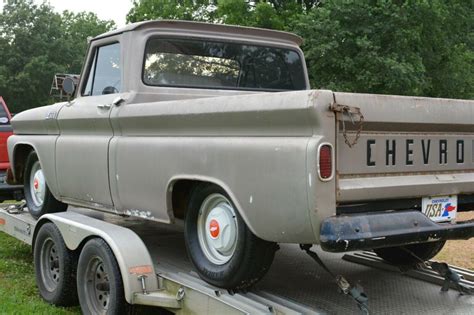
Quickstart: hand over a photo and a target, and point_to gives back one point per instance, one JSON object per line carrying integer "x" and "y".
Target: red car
{"x": 7, "y": 192}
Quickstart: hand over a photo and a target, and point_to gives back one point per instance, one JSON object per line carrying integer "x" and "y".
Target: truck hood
{"x": 38, "y": 121}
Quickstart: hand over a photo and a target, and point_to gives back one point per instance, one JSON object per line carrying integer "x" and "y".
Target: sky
{"x": 105, "y": 9}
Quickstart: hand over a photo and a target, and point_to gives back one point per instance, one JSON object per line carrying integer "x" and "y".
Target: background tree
{"x": 268, "y": 14}
{"x": 196, "y": 10}
{"x": 390, "y": 46}
{"x": 36, "y": 43}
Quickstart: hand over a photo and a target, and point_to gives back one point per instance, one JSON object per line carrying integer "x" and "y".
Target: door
{"x": 82, "y": 147}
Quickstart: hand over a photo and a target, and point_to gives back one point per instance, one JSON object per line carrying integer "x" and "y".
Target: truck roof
{"x": 200, "y": 28}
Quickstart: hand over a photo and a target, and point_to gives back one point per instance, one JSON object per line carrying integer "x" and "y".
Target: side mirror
{"x": 69, "y": 85}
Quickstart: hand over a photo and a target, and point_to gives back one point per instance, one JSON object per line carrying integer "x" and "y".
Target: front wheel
{"x": 401, "y": 255}
{"x": 221, "y": 246}
{"x": 39, "y": 198}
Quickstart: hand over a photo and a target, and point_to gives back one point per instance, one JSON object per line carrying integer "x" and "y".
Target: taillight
{"x": 325, "y": 161}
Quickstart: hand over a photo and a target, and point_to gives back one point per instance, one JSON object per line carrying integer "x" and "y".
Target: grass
{"x": 18, "y": 292}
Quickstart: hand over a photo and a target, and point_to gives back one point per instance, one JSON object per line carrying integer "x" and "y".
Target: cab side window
{"x": 104, "y": 73}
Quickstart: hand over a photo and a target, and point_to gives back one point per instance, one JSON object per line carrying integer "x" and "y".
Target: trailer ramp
{"x": 425, "y": 273}
{"x": 295, "y": 279}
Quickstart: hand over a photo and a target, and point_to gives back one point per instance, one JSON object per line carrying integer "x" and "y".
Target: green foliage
{"x": 196, "y": 10}
{"x": 36, "y": 43}
{"x": 266, "y": 14}
{"x": 241, "y": 12}
{"x": 408, "y": 47}
{"x": 364, "y": 48}
{"x": 391, "y": 47}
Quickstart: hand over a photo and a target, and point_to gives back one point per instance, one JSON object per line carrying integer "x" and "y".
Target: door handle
{"x": 104, "y": 106}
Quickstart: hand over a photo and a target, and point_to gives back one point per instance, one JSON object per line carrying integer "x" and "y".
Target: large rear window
{"x": 212, "y": 64}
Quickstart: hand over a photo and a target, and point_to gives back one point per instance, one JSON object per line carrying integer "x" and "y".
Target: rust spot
{"x": 2, "y": 221}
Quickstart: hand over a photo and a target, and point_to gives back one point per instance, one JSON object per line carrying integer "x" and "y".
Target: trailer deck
{"x": 295, "y": 284}
{"x": 294, "y": 277}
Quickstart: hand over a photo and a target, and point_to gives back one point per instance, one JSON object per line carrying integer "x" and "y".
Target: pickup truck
{"x": 215, "y": 128}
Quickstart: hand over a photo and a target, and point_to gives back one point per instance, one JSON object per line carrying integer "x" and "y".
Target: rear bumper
{"x": 367, "y": 231}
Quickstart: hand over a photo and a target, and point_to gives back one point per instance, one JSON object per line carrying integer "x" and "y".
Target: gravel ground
{"x": 459, "y": 253}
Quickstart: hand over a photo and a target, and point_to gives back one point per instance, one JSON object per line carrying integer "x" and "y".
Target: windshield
{"x": 211, "y": 64}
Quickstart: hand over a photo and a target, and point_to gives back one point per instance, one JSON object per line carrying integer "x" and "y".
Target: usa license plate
{"x": 440, "y": 208}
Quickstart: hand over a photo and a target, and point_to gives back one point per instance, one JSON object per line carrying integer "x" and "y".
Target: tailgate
{"x": 409, "y": 147}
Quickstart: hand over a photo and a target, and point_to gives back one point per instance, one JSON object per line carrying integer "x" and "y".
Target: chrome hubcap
{"x": 37, "y": 184}
{"x": 217, "y": 229}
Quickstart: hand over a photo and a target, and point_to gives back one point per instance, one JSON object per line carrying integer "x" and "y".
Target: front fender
{"x": 19, "y": 147}
{"x": 38, "y": 121}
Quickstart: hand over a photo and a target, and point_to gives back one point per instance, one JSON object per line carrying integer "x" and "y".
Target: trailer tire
{"x": 398, "y": 256}
{"x": 231, "y": 265}
{"x": 55, "y": 267}
{"x": 39, "y": 198}
{"x": 99, "y": 281}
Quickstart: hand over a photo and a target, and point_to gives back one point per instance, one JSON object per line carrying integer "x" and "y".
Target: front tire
{"x": 399, "y": 256}
{"x": 39, "y": 198}
{"x": 99, "y": 281}
{"x": 55, "y": 267}
{"x": 222, "y": 248}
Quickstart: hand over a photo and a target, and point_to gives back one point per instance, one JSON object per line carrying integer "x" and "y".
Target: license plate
{"x": 440, "y": 208}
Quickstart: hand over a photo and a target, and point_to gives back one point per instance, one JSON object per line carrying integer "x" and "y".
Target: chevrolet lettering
{"x": 424, "y": 151}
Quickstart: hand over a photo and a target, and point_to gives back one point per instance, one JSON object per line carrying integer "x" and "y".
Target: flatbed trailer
{"x": 294, "y": 284}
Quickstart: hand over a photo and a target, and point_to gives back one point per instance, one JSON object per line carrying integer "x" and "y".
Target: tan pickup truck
{"x": 216, "y": 127}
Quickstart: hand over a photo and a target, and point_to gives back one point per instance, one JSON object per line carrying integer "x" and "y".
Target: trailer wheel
{"x": 39, "y": 198}
{"x": 223, "y": 249}
{"x": 99, "y": 282}
{"x": 55, "y": 267}
{"x": 399, "y": 257}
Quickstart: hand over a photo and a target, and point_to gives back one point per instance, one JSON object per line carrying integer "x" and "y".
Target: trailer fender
{"x": 130, "y": 252}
